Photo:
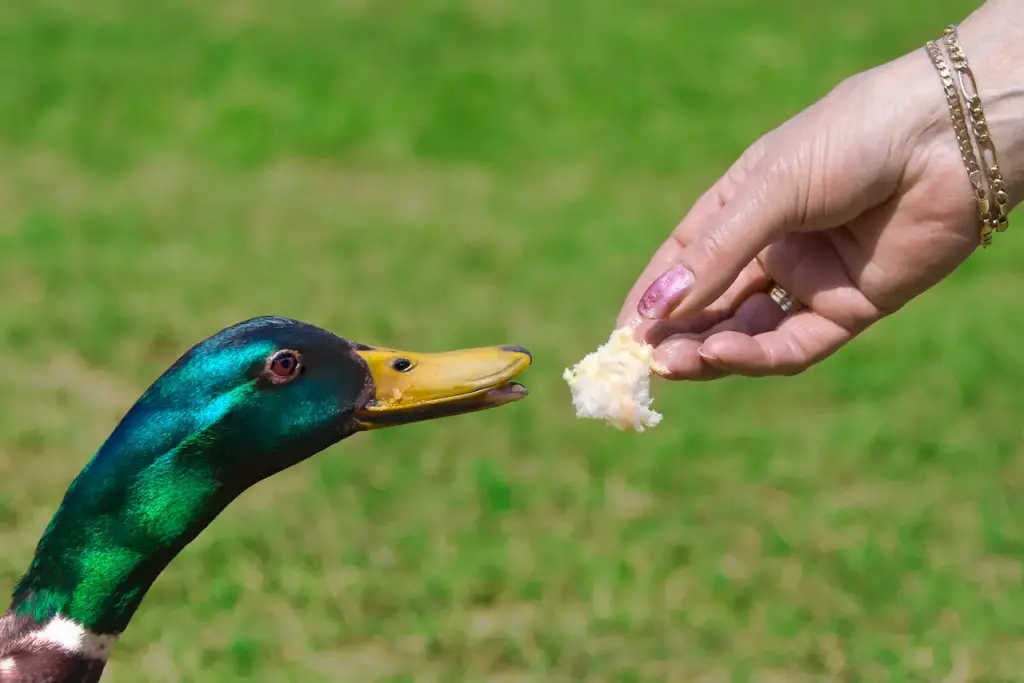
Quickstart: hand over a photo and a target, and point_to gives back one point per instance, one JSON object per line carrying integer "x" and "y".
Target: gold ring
{"x": 784, "y": 299}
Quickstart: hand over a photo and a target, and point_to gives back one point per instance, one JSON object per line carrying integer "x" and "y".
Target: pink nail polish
{"x": 665, "y": 292}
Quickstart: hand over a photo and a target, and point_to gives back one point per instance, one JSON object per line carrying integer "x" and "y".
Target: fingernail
{"x": 662, "y": 357}
{"x": 708, "y": 356}
{"x": 665, "y": 292}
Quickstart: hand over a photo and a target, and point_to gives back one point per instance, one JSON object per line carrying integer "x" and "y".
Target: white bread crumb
{"x": 613, "y": 383}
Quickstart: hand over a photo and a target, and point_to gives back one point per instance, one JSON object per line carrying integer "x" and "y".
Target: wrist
{"x": 993, "y": 40}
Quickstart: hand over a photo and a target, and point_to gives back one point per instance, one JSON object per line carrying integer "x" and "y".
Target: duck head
{"x": 267, "y": 393}
{"x": 250, "y": 401}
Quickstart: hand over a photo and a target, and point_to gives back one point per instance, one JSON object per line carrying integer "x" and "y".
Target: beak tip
{"x": 518, "y": 349}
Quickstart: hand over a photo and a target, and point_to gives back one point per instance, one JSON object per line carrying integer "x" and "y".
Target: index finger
{"x": 668, "y": 253}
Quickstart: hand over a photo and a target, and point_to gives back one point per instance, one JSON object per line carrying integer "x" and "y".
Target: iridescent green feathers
{"x": 248, "y": 402}
{"x": 206, "y": 430}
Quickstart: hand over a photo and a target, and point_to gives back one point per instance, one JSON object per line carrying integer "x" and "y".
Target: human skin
{"x": 854, "y": 206}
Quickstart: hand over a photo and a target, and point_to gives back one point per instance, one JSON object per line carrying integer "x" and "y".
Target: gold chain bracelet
{"x": 969, "y": 90}
{"x": 963, "y": 138}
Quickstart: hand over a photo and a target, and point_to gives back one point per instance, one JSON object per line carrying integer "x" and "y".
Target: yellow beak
{"x": 413, "y": 387}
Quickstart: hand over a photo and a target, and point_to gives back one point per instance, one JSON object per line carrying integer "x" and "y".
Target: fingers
{"x": 670, "y": 250}
{"x": 801, "y": 340}
{"x": 809, "y": 268}
{"x": 711, "y": 255}
{"x": 759, "y": 341}
{"x": 818, "y": 171}
{"x": 750, "y": 280}
{"x": 680, "y": 354}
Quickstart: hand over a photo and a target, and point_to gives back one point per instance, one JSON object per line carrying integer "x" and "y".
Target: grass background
{"x": 448, "y": 173}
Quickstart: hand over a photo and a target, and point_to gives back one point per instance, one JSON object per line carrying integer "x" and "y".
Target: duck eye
{"x": 283, "y": 366}
{"x": 401, "y": 364}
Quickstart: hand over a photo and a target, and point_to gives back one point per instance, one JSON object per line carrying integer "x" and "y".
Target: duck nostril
{"x": 402, "y": 364}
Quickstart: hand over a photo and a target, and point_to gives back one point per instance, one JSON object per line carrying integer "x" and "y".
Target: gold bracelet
{"x": 963, "y": 138}
{"x": 969, "y": 90}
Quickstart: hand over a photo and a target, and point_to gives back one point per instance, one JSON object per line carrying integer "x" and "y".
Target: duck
{"x": 251, "y": 401}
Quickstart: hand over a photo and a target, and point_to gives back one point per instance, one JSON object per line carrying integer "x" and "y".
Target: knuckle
{"x": 847, "y": 86}
{"x": 714, "y": 242}
{"x": 785, "y": 185}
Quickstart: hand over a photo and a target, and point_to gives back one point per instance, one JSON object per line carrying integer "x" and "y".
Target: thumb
{"x": 713, "y": 251}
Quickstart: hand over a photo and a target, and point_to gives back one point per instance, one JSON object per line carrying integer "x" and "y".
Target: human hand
{"x": 854, "y": 207}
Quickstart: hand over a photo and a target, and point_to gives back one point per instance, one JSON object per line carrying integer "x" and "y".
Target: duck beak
{"x": 413, "y": 387}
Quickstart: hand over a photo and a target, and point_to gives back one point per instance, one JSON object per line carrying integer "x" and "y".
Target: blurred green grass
{"x": 446, "y": 173}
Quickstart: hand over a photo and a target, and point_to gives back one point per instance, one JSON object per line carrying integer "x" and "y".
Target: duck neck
{"x": 124, "y": 518}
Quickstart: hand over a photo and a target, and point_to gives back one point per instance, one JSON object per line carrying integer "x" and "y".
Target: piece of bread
{"x": 613, "y": 383}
